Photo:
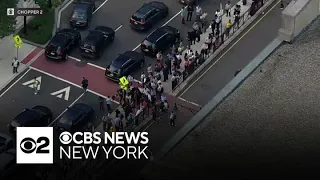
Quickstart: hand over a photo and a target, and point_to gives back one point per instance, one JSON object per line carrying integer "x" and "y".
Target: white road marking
{"x": 96, "y": 66}
{"x": 100, "y": 6}
{"x": 15, "y": 82}
{"x": 66, "y": 110}
{"x": 189, "y": 102}
{"x": 118, "y": 28}
{"x": 61, "y": 92}
{"x": 30, "y": 83}
{"x": 76, "y": 85}
{"x": 161, "y": 26}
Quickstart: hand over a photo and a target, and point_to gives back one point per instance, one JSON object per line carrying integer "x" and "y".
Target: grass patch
{"x": 39, "y": 29}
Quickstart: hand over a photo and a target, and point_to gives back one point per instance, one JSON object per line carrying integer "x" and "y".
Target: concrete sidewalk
{"x": 197, "y": 47}
{"x": 8, "y": 51}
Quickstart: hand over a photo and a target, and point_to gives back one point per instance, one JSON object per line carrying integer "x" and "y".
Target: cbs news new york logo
{"x": 34, "y": 145}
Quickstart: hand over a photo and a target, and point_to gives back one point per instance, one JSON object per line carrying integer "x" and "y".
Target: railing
{"x": 219, "y": 40}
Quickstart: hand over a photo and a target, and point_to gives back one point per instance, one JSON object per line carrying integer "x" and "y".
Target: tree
{"x": 7, "y": 23}
{"x": 43, "y": 3}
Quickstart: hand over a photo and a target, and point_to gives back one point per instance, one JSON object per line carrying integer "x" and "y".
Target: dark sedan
{"x": 38, "y": 116}
{"x": 148, "y": 15}
{"x": 96, "y": 41}
{"x": 75, "y": 118}
{"x": 124, "y": 65}
{"x": 82, "y": 13}
{"x": 62, "y": 43}
{"x": 160, "y": 39}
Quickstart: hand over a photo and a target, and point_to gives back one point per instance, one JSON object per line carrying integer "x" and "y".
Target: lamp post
{"x": 25, "y": 18}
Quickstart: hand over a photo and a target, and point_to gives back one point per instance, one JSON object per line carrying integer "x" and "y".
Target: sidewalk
{"x": 8, "y": 51}
{"x": 197, "y": 47}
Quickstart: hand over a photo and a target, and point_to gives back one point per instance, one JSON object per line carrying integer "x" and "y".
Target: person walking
{"x": 109, "y": 102}
{"x": 190, "y": 11}
{"x": 15, "y": 65}
{"x": 36, "y": 85}
{"x": 84, "y": 84}
{"x": 183, "y": 14}
{"x": 101, "y": 103}
{"x": 227, "y": 8}
{"x": 198, "y": 12}
{"x": 228, "y": 26}
{"x": 218, "y": 20}
{"x": 172, "y": 119}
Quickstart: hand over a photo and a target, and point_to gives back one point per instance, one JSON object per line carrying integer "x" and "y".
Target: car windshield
{"x": 148, "y": 43}
{"x": 138, "y": 17}
{"x": 65, "y": 120}
{"x": 89, "y": 47}
{"x": 79, "y": 14}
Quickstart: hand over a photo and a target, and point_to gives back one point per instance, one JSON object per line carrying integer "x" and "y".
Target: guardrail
{"x": 220, "y": 40}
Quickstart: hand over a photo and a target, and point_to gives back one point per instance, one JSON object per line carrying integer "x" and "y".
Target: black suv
{"x": 38, "y": 116}
{"x": 160, "y": 39}
{"x": 82, "y": 13}
{"x": 124, "y": 65}
{"x": 61, "y": 44}
{"x": 96, "y": 41}
{"x": 149, "y": 14}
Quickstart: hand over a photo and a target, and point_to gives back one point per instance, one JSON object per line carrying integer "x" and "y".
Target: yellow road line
{"x": 255, "y": 24}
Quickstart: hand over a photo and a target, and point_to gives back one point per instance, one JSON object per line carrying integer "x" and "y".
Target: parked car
{"x": 75, "y": 117}
{"x": 62, "y": 43}
{"x": 6, "y": 142}
{"x": 96, "y": 41}
{"x": 190, "y": 2}
{"x": 82, "y": 13}
{"x": 7, "y": 163}
{"x": 38, "y": 116}
{"x": 148, "y": 15}
{"x": 124, "y": 65}
{"x": 160, "y": 39}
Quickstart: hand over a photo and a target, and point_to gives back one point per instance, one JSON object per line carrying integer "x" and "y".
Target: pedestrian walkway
{"x": 197, "y": 47}
{"x": 8, "y": 51}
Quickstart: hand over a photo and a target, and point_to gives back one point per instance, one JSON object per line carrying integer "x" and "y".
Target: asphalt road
{"x": 20, "y": 96}
{"x": 204, "y": 88}
{"x": 116, "y": 13}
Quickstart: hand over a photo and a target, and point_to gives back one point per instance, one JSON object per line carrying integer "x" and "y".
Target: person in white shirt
{"x": 15, "y": 65}
{"x": 109, "y": 102}
{"x": 218, "y": 19}
{"x": 143, "y": 77}
{"x": 130, "y": 79}
{"x": 198, "y": 12}
{"x": 159, "y": 56}
{"x": 149, "y": 69}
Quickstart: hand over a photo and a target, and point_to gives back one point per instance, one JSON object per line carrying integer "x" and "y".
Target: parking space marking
{"x": 100, "y": 6}
{"x": 62, "y": 93}
{"x": 66, "y": 81}
{"x": 58, "y": 117}
{"x": 15, "y": 82}
{"x": 118, "y": 28}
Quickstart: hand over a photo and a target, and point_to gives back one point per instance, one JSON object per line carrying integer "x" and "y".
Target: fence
{"x": 219, "y": 40}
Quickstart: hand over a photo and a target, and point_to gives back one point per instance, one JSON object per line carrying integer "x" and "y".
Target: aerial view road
{"x": 249, "y": 44}
{"x": 60, "y": 81}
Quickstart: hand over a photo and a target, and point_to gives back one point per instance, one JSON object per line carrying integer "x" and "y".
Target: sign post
{"x": 18, "y": 41}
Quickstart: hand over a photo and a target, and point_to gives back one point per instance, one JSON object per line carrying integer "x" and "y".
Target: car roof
{"x": 144, "y": 10}
{"x": 155, "y": 35}
{"x": 26, "y": 115}
{"x": 133, "y": 55}
{"x": 76, "y": 110}
{"x": 121, "y": 59}
{"x": 82, "y": 6}
{"x": 104, "y": 29}
{"x": 6, "y": 158}
{"x": 60, "y": 39}
{"x": 93, "y": 37}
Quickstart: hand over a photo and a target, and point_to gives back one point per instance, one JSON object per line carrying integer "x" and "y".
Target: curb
{"x": 181, "y": 87}
{"x": 22, "y": 70}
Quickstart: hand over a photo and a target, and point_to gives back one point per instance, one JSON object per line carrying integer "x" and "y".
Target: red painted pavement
{"x": 73, "y": 71}
{"x": 35, "y": 52}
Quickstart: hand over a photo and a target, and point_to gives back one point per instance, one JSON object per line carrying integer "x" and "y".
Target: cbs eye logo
{"x": 65, "y": 138}
{"x": 29, "y": 145}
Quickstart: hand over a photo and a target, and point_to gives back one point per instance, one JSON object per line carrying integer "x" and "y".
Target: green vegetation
{"x": 7, "y": 23}
{"x": 39, "y": 29}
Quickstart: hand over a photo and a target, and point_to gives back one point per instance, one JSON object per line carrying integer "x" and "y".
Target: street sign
{"x": 17, "y": 39}
{"x": 30, "y": 83}
{"x": 65, "y": 92}
{"x": 17, "y": 46}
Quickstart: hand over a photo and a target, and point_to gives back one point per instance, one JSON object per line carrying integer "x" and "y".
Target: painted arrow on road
{"x": 65, "y": 92}
{"x": 30, "y": 83}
